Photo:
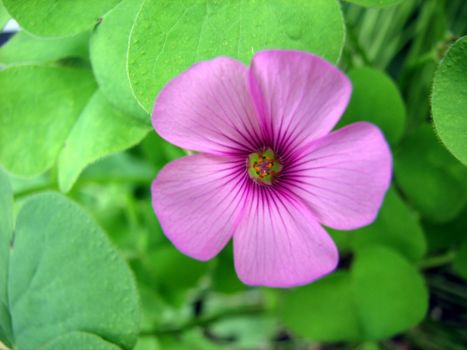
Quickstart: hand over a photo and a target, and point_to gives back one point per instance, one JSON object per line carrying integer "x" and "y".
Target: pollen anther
{"x": 264, "y": 166}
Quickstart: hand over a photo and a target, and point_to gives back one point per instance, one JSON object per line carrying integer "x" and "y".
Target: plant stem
{"x": 438, "y": 260}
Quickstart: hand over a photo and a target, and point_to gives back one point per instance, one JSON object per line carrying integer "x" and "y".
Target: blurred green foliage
{"x": 375, "y": 98}
{"x": 76, "y": 87}
{"x": 450, "y": 100}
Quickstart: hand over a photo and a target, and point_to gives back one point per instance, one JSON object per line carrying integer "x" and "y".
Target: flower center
{"x": 264, "y": 166}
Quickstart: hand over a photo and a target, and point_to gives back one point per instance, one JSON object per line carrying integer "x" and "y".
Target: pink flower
{"x": 270, "y": 172}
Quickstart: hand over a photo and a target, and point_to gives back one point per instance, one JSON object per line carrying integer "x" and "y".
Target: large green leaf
{"x": 6, "y": 235}
{"x": 224, "y": 276}
{"x": 147, "y": 343}
{"x": 63, "y": 276}
{"x": 57, "y": 17}
{"x": 31, "y": 144}
{"x": 175, "y": 270}
{"x": 324, "y": 310}
{"x": 122, "y": 167}
{"x": 449, "y": 100}
{"x": 78, "y": 341}
{"x": 38, "y": 110}
{"x": 166, "y": 151}
{"x": 169, "y": 270}
{"x": 100, "y": 130}
{"x": 443, "y": 236}
{"x": 375, "y": 98}
{"x": 169, "y": 36}
{"x": 25, "y": 48}
{"x": 396, "y": 227}
{"x": 4, "y": 15}
{"x": 430, "y": 177}
{"x": 109, "y": 48}
{"x": 390, "y": 294}
{"x": 374, "y": 3}
{"x": 379, "y": 297}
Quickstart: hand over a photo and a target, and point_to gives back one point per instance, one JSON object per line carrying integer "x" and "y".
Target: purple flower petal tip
{"x": 270, "y": 170}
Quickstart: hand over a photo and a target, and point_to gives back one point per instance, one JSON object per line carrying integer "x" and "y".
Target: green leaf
{"x": 147, "y": 343}
{"x": 39, "y": 108}
{"x": 375, "y": 98}
{"x": 404, "y": 234}
{"x": 380, "y": 296}
{"x": 24, "y": 48}
{"x": 430, "y": 177}
{"x": 168, "y": 36}
{"x": 4, "y": 15}
{"x": 58, "y": 18}
{"x": 342, "y": 239}
{"x": 121, "y": 168}
{"x": 446, "y": 235}
{"x": 100, "y": 130}
{"x": 390, "y": 294}
{"x": 224, "y": 277}
{"x": 449, "y": 100}
{"x": 64, "y": 276}
{"x": 166, "y": 151}
{"x": 323, "y": 311}
{"x": 109, "y": 47}
{"x": 6, "y": 235}
{"x": 78, "y": 341}
{"x": 172, "y": 270}
{"x": 157, "y": 313}
{"x": 374, "y": 3}
{"x": 460, "y": 262}
{"x": 396, "y": 227}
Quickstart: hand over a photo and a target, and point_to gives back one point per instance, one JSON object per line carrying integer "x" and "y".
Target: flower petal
{"x": 344, "y": 176}
{"x": 208, "y": 108}
{"x": 199, "y": 200}
{"x": 299, "y": 97}
{"x": 279, "y": 243}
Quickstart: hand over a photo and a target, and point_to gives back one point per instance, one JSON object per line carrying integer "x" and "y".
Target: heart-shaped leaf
{"x": 169, "y": 36}
{"x": 100, "y": 130}
{"x": 375, "y": 98}
{"x": 449, "y": 100}
{"x": 109, "y": 51}
{"x": 379, "y": 297}
{"x": 39, "y": 108}
{"x": 429, "y": 176}
{"x": 396, "y": 226}
{"x": 60, "y": 274}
